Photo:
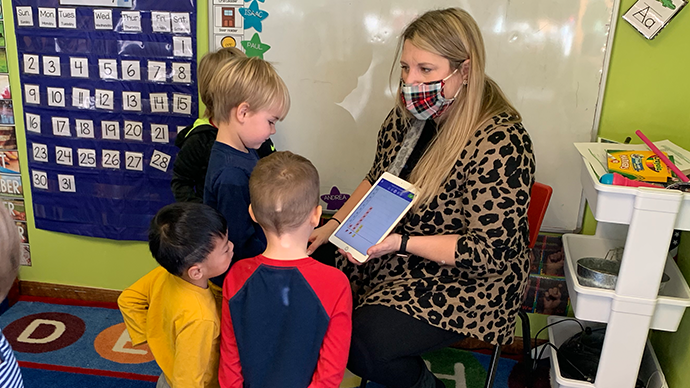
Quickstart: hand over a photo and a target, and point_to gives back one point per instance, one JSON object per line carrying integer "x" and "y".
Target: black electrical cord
{"x": 584, "y": 377}
{"x": 586, "y": 330}
{"x": 534, "y": 362}
{"x": 544, "y": 348}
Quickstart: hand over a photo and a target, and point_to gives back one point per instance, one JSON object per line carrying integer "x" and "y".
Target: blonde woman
{"x": 457, "y": 263}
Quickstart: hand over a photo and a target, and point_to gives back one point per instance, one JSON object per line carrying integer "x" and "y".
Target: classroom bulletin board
{"x": 107, "y": 85}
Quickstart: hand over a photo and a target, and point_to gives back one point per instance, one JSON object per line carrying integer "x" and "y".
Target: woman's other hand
{"x": 320, "y": 235}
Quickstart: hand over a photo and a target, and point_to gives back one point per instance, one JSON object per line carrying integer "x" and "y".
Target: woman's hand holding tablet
{"x": 374, "y": 217}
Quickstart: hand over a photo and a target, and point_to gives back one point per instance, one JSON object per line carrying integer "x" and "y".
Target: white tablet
{"x": 376, "y": 214}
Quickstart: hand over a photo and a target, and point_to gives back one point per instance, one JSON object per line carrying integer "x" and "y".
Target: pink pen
{"x": 662, "y": 156}
{"x": 619, "y": 180}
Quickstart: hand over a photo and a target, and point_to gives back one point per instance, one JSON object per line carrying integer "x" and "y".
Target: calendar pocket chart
{"x": 105, "y": 91}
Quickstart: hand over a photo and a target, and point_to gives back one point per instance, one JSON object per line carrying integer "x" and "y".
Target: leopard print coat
{"x": 484, "y": 200}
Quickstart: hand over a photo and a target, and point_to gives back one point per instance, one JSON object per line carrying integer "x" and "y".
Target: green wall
{"x": 647, "y": 89}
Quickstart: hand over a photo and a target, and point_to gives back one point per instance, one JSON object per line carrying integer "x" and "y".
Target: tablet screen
{"x": 374, "y": 216}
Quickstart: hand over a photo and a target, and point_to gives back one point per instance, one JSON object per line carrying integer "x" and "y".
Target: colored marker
{"x": 619, "y": 180}
{"x": 661, "y": 156}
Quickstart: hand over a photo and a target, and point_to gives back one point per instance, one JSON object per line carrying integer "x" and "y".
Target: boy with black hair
{"x": 10, "y": 252}
{"x": 286, "y": 318}
{"x": 172, "y": 308}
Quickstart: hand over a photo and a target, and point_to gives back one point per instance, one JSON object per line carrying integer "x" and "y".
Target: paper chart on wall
{"x": 105, "y": 93}
{"x": 234, "y": 23}
{"x": 225, "y": 23}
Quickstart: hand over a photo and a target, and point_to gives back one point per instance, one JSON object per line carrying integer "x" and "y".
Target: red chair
{"x": 541, "y": 195}
{"x": 539, "y": 202}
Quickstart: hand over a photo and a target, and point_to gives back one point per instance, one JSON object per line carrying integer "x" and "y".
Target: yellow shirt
{"x": 180, "y": 322}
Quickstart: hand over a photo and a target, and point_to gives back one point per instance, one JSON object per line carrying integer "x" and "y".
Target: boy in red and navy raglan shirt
{"x": 286, "y": 318}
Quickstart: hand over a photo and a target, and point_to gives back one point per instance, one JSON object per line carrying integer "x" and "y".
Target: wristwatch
{"x": 402, "y": 252}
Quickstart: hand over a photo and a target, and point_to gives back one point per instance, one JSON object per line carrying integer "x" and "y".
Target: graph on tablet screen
{"x": 372, "y": 218}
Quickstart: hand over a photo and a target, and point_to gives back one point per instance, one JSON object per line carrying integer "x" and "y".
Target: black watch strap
{"x": 403, "y": 244}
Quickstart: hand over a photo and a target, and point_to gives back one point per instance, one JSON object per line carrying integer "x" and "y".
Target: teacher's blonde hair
{"x": 453, "y": 34}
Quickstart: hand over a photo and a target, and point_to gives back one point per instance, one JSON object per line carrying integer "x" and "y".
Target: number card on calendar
{"x": 106, "y": 87}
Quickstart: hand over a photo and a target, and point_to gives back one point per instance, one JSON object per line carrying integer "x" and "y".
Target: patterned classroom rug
{"x": 63, "y": 343}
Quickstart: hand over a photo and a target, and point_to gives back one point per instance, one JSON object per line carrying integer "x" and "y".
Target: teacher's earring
{"x": 464, "y": 82}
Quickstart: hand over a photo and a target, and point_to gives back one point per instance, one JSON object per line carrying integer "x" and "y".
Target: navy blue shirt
{"x": 227, "y": 190}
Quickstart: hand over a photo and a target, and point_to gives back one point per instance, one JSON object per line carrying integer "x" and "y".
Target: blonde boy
{"x": 249, "y": 97}
{"x": 196, "y": 140}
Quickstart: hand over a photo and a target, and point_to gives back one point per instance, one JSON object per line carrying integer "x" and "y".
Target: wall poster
{"x": 106, "y": 87}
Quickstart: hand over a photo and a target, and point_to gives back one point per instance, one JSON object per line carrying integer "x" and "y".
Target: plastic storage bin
{"x": 650, "y": 371}
{"x": 594, "y": 304}
{"x": 614, "y": 204}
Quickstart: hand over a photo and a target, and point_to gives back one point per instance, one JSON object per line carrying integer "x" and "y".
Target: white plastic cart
{"x": 642, "y": 220}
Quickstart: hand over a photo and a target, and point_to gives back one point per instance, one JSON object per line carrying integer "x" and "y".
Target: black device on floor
{"x": 578, "y": 357}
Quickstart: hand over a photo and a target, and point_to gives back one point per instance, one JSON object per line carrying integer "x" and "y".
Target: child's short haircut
{"x": 183, "y": 234}
{"x": 10, "y": 252}
{"x": 284, "y": 190}
{"x": 208, "y": 66}
{"x": 250, "y": 80}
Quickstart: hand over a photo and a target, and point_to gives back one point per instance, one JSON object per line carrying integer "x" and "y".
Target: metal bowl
{"x": 598, "y": 272}
{"x": 603, "y": 273}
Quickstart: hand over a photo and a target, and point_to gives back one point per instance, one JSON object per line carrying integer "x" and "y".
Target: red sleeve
{"x": 229, "y": 370}
{"x": 336, "y": 344}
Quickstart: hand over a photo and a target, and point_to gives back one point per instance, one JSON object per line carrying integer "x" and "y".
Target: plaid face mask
{"x": 426, "y": 100}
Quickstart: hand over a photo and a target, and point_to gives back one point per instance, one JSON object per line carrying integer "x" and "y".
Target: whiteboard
{"x": 335, "y": 57}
